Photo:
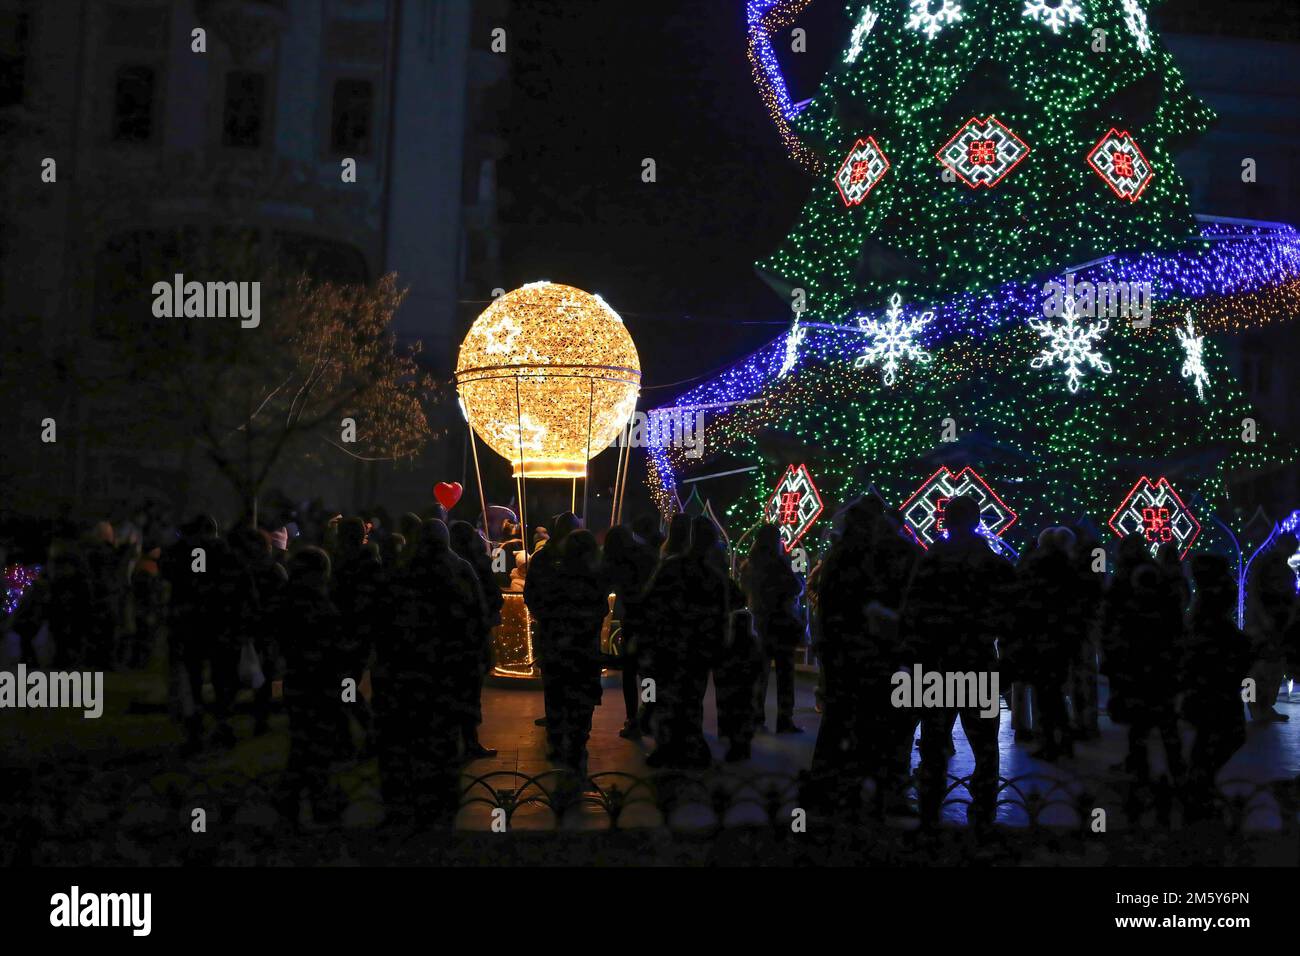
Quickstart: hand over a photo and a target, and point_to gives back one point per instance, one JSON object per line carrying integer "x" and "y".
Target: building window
{"x": 133, "y": 96}
{"x": 245, "y": 110}
{"x": 352, "y": 112}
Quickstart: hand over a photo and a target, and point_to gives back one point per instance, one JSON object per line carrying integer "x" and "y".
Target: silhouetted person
{"x": 581, "y": 602}
{"x": 357, "y": 588}
{"x": 61, "y": 599}
{"x": 311, "y": 635}
{"x": 738, "y": 679}
{"x": 679, "y": 536}
{"x": 1141, "y": 648}
{"x": 419, "y": 684}
{"x": 1270, "y": 604}
{"x": 539, "y": 596}
{"x": 472, "y": 549}
{"x": 627, "y": 565}
{"x": 859, "y": 590}
{"x": 1052, "y": 618}
{"x": 646, "y": 528}
{"x": 106, "y": 569}
{"x": 212, "y": 600}
{"x": 690, "y": 598}
{"x": 1085, "y": 710}
{"x": 253, "y": 549}
{"x": 956, "y": 607}
{"x": 772, "y": 591}
{"x": 1216, "y": 660}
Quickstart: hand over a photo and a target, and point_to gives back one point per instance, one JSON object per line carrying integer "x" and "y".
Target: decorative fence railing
{"x": 134, "y": 821}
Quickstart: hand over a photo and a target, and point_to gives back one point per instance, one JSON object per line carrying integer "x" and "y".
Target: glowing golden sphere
{"x": 548, "y": 376}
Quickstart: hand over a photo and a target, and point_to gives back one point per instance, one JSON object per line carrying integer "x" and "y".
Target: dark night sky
{"x": 598, "y": 86}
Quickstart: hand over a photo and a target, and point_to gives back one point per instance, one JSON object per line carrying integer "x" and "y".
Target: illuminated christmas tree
{"x": 998, "y": 281}
{"x": 976, "y": 141}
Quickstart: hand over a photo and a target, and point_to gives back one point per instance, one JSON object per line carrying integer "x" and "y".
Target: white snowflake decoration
{"x": 1135, "y": 18}
{"x": 927, "y": 20}
{"x": 792, "y": 342}
{"x": 893, "y": 339}
{"x": 1194, "y": 359}
{"x": 1071, "y": 344}
{"x": 1055, "y": 18}
{"x": 860, "y": 32}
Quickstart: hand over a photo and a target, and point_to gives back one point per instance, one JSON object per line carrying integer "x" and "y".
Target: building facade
{"x": 252, "y": 125}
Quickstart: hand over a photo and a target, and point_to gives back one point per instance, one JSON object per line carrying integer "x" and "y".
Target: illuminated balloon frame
{"x": 548, "y": 377}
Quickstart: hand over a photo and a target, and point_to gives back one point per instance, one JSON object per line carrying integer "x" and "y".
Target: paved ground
{"x": 131, "y": 751}
{"x": 1272, "y": 751}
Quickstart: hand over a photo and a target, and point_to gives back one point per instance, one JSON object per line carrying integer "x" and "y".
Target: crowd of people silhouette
{"x": 414, "y": 610}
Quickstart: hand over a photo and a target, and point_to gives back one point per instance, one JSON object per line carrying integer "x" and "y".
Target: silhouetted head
{"x": 1145, "y": 580}
{"x": 1167, "y": 554}
{"x": 564, "y": 525}
{"x": 859, "y": 520}
{"x": 1286, "y": 543}
{"x": 249, "y": 544}
{"x": 310, "y": 568}
{"x": 1216, "y": 591}
{"x": 646, "y": 527}
{"x": 705, "y": 538}
{"x": 961, "y": 517}
{"x": 1056, "y": 540}
{"x": 679, "y": 535}
{"x": 435, "y": 533}
{"x": 767, "y": 543}
{"x": 580, "y": 550}
{"x": 466, "y": 541}
{"x": 619, "y": 543}
{"x": 1133, "y": 548}
{"x": 410, "y": 525}
{"x": 391, "y": 548}
{"x": 352, "y": 535}
{"x": 202, "y": 526}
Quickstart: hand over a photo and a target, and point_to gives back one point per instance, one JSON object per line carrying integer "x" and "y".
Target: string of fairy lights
{"x": 1054, "y": 454}
{"x": 910, "y": 89}
{"x": 967, "y": 151}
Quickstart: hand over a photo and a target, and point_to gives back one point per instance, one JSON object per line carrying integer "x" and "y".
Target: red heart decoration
{"x": 448, "y": 493}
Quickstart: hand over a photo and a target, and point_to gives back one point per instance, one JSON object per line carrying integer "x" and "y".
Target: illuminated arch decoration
{"x": 983, "y": 152}
{"x": 764, "y": 18}
{"x": 863, "y": 168}
{"x": 1121, "y": 165}
{"x": 794, "y": 505}
{"x": 1154, "y": 510}
{"x": 923, "y": 512}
